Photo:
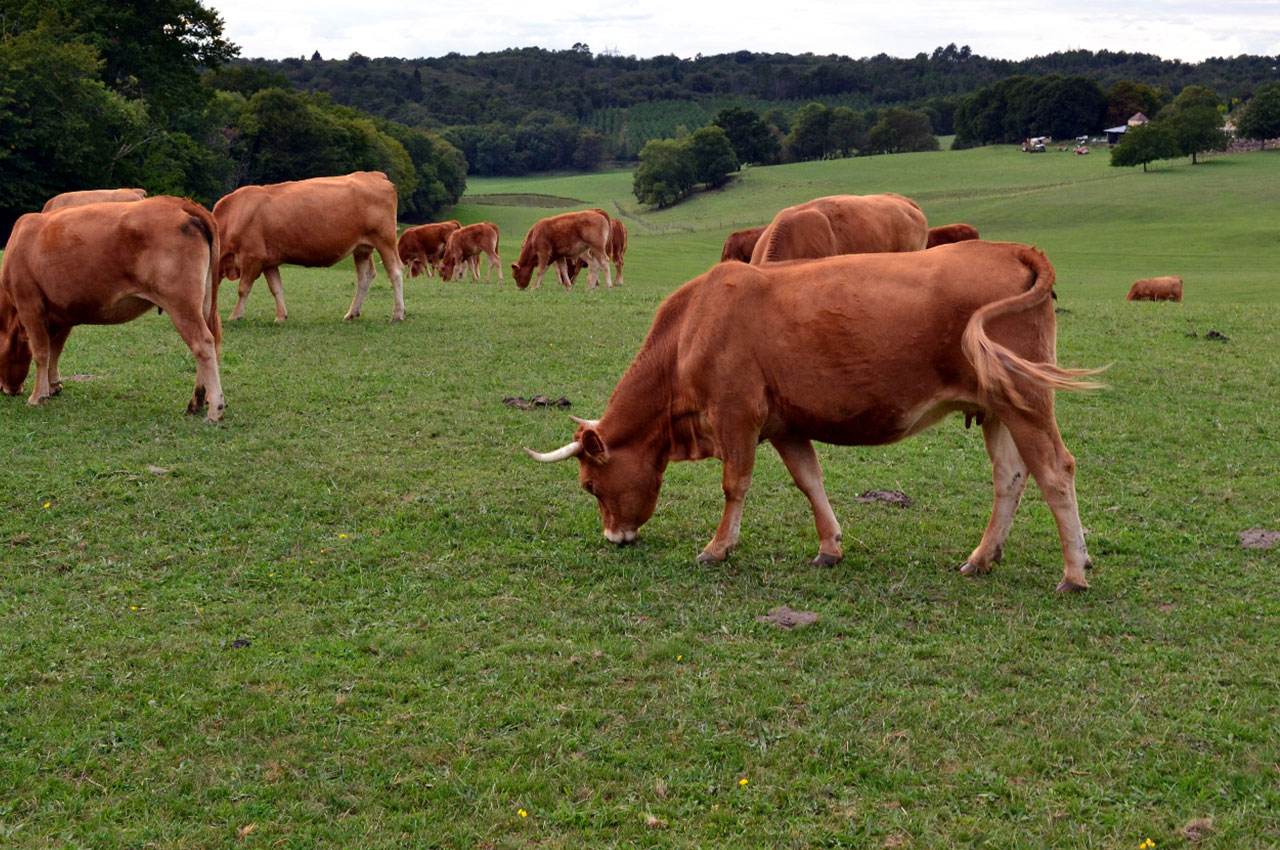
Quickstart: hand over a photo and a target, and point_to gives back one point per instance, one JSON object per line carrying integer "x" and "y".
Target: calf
{"x": 421, "y": 248}
{"x": 1156, "y": 289}
{"x": 464, "y": 247}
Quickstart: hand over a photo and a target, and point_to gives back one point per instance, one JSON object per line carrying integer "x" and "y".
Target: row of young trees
{"x": 98, "y": 93}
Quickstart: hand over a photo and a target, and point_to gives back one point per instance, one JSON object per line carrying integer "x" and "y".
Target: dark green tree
{"x": 846, "y": 132}
{"x": 665, "y": 174}
{"x": 1194, "y": 120}
{"x": 589, "y": 151}
{"x": 1260, "y": 117}
{"x": 750, "y": 136}
{"x": 713, "y": 157}
{"x": 810, "y": 132}
{"x": 1127, "y": 98}
{"x": 901, "y": 131}
{"x": 1143, "y": 144}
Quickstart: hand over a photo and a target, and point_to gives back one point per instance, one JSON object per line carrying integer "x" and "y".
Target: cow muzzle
{"x": 621, "y": 538}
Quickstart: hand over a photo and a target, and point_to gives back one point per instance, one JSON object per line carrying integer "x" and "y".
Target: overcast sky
{"x": 1190, "y": 30}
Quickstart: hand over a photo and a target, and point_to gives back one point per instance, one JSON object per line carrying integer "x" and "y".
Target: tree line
{"x": 98, "y": 93}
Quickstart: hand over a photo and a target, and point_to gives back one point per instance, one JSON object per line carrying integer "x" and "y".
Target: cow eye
{"x": 589, "y": 487}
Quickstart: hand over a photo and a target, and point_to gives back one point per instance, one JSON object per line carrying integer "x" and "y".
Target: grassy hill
{"x": 357, "y": 615}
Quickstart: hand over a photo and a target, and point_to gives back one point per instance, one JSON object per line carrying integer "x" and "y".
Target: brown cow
{"x": 740, "y": 244}
{"x": 1156, "y": 289}
{"x": 950, "y": 233}
{"x": 559, "y": 238}
{"x": 421, "y": 248}
{"x": 312, "y": 223}
{"x": 843, "y": 224}
{"x": 104, "y": 264}
{"x": 851, "y": 350}
{"x": 617, "y": 251}
{"x": 463, "y": 249}
{"x": 93, "y": 196}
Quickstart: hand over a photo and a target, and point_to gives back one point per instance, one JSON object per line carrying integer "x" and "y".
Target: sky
{"x": 1190, "y": 30}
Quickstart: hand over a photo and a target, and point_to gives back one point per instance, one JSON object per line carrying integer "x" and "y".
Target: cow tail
{"x": 998, "y": 368}
{"x": 204, "y": 219}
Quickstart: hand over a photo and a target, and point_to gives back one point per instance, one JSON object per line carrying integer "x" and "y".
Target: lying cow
{"x": 851, "y": 350}
{"x": 740, "y": 244}
{"x": 559, "y": 238}
{"x": 1156, "y": 289}
{"x": 617, "y": 251}
{"x": 951, "y": 233}
{"x": 104, "y": 264}
{"x": 463, "y": 249}
{"x": 843, "y": 224}
{"x": 93, "y": 196}
{"x": 421, "y": 248}
{"x": 313, "y": 223}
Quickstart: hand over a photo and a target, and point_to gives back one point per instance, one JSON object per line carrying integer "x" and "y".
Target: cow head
{"x": 15, "y": 353}
{"x": 522, "y": 275}
{"x": 625, "y": 480}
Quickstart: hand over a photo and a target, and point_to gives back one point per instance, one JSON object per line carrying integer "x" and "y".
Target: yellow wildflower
{"x": 523, "y": 813}
{"x": 742, "y": 781}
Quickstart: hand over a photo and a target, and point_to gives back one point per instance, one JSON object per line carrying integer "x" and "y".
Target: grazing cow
{"x": 463, "y": 249}
{"x": 312, "y": 223}
{"x": 949, "y": 233}
{"x": 843, "y": 224}
{"x": 93, "y": 196}
{"x": 617, "y": 251}
{"x": 555, "y": 240}
{"x": 1156, "y": 289}
{"x": 740, "y": 244}
{"x": 851, "y": 350}
{"x": 104, "y": 264}
{"x": 421, "y": 248}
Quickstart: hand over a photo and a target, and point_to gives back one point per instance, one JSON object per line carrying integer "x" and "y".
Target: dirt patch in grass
{"x": 1259, "y": 538}
{"x": 789, "y": 618}
{"x": 536, "y": 401}
{"x": 889, "y": 497}
{"x": 517, "y": 199}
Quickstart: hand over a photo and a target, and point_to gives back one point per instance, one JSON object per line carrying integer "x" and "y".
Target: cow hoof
{"x": 349, "y": 317}
{"x": 397, "y": 317}
{"x": 1065, "y": 586}
{"x": 826, "y": 559}
{"x": 968, "y": 568}
{"x": 55, "y": 389}
{"x": 708, "y": 558}
{"x": 1088, "y": 565}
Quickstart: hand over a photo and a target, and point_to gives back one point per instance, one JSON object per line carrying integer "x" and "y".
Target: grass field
{"x": 357, "y": 615}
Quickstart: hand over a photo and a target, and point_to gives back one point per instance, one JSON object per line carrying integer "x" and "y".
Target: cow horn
{"x": 562, "y": 453}
{"x": 585, "y": 423}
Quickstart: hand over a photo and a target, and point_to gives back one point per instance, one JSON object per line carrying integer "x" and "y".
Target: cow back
{"x": 857, "y": 224}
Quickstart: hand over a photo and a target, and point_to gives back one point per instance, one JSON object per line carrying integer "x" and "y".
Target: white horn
{"x": 585, "y": 423}
{"x": 562, "y": 453}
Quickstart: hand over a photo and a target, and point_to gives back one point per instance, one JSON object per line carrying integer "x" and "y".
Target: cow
{"x": 93, "y": 196}
{"x": 1156, "y": 289}
{"x": 850, "y": 350}
{"x": 843, "y": 224}
{"x": 463, "y": 249}
{"x": 104, "y": 264}
{"x": 740, "y": 244}
{"x": 313, "y": 223}
{"x": 421, "y": 248}
{"x": 949, "y": 233}
{"x": 617, "y": 251}
{"x": 559, "y": 238}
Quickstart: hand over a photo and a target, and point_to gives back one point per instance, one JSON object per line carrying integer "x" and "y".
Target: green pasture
{"x": 356, "y": 615}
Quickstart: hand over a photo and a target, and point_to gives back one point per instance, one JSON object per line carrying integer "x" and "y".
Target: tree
{"x": 810, "y": 132}
{"x": 713, "y": 157}
{"x": 665, "y": 174}
{"x": 1143, "y": 144}
{"x": 1260, "y": 117}
{"x": 589, "y": 151}
{"x": 1195, "y": 122}
{"x": 750, "y": 136}
{"x": 901, "y": 131}
{"x": 1126, "y": 98}
{"x": 846, "y": 132}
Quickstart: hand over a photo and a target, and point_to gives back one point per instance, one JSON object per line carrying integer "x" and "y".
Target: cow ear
{"x": 593, "y": 447}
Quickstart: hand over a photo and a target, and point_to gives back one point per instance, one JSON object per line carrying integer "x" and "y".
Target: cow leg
{"x": 1054, "y": 468}
{"x": 248, "y": 274}
{"x": 57, "y": 339}
{"x": 618, "y": 267}
{"x": 196, "y": 334}
{"x": 1009, "y": 473}
{"x": 562, "y": 273}
{"x": 364, "y": 277}
{"x": 474, "y": 262}
{"x": 277, "y": 292}
{"x": 737, "y": 465}
{"x": 494, "y": 262}
{"x": 395, "y": 271}
{"x": 537, "y": 278}
{"x": 603, "y": 260}
{"x": 802, "y": 462}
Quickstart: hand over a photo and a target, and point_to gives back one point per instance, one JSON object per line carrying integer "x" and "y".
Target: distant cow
{"x": 93, "y": 196}
{"x": 740, "y": 244}
{"x": 312, "y": 223}
{"x": 559, "y": 238}
{"x": 617, "y": 251}
{"x": 421, "y": 248}
{"x": 843, "y": 224}
{"x": 1156, "y": 289}
{"x": 105, "y": 264}
{"x": 949, "y": 233}
{"x": 850, "y": 350}
{"x": 463, "y": 249}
